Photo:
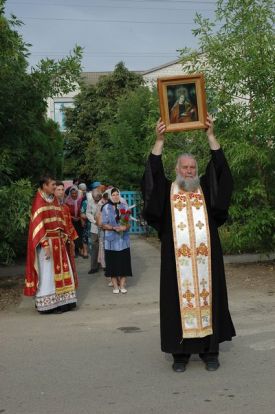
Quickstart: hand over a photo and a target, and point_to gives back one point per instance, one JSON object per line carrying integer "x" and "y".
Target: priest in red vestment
{"x": 49, "y": 274}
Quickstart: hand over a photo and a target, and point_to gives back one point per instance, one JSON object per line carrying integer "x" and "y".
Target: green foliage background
{"x": 31, "y": 145}
{"x": 112, "y": 128}
{"x": 238, "y": 62}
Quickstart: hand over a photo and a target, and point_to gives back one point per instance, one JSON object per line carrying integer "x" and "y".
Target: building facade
{"x": 56, "y": 105}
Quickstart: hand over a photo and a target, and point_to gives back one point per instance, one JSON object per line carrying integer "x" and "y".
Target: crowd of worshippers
{"x": 79, "y": 222}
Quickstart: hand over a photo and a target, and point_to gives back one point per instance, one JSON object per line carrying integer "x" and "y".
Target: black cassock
{"x": 217, "y": 185}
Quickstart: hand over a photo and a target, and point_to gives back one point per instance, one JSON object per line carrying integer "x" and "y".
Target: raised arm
{"x": 217, "y": 179}
{"x": 160, "y": 131}
{"x": 154, "y": 182}
{"x": 212, "y": 140}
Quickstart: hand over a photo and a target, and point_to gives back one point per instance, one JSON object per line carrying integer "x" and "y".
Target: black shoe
{"x": 70, "y": 306}
{"x": 179, "y": 366}
{"x": 64, "y": 308}
{"x": 212, "y": 364}
{"x": 92, "y": 271}
{"x": 46, "y": 312}
{"x": 58, "y": 311}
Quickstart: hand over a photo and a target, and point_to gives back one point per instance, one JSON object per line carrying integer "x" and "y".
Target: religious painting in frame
{"x": 182, "y": 102}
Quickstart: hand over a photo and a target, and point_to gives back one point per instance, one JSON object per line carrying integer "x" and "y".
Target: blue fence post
{"x": 134, "y": 198}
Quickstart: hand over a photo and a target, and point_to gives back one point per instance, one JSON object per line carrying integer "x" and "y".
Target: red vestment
{"x": 47, "y": 228}
{"x": 72, "y": 234}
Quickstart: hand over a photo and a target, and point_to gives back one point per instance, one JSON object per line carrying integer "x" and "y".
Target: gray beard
{"x": 191, "y": 184}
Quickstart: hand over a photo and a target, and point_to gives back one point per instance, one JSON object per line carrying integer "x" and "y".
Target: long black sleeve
{"x": 219, "y": 183}
{"x": 153, "y": 188}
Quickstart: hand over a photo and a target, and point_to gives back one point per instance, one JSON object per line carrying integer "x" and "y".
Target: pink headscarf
{"x": 74, "y": 205}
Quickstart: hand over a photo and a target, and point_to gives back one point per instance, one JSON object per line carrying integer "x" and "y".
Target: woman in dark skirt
{"x": 115, "y": 218}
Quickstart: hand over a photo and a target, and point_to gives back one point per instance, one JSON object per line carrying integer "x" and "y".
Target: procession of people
{"x": 66, "y": 225}
{"x": 94, "y": 221}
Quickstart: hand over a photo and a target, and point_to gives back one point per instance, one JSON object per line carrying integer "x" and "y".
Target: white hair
{"x": 82, "y": 186}
{"x": 187, "y": 155}
{"x": 192, "y": 183}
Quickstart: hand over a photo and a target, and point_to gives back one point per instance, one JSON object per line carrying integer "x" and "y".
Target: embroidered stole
{"x": 193, "y": 261}
{"x": 61, "y": 267}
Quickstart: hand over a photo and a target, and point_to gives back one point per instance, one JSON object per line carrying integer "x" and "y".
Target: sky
{"x": 141, "y": 33}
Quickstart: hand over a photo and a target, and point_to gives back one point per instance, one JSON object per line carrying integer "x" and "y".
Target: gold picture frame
{"x": 183, "y": 102}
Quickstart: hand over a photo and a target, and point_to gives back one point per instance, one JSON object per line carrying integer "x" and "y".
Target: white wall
{"x": 66, "y": 99}
{"x": 172, "y": 70}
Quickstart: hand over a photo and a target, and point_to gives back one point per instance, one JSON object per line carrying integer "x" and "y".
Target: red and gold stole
{"x": 62, "y": 275}
{"x": 47, "y": 228}
{"x": 193, "y": 261}
{"x": 72, "y": 234}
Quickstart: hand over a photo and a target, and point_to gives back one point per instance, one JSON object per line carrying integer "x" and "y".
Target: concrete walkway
{"x": 105, "y": 357}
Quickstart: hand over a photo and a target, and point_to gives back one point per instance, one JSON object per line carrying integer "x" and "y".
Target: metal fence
{"x": 134, "y": 200}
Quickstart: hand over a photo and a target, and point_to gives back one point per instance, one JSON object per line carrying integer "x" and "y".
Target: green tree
{"x": 120, "y": 155}
{"x": 30, "y": 144}
{"x": 88, "y": 122}
{"x": 15, "y": 201}
{"x": 236, "y": 54}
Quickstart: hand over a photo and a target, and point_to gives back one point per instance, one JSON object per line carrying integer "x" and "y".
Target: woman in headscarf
{"x": 115, "y": 222}
{"x": 83, "y": 218}
{"x": 73, "y": 201}
{"x": 98, "y": 217}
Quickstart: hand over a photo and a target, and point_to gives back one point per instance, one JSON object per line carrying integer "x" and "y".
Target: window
{"x": 59, "y": 114}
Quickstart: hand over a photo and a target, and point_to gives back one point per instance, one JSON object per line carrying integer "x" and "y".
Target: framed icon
{"x": 182, "y": 102}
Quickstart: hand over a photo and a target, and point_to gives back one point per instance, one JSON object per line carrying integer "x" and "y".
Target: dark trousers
{"x": 181, "y": 357}
{"x": 78, "y": 242}
{"x": 94, "y": 250}
{"x": 207, "y": 356}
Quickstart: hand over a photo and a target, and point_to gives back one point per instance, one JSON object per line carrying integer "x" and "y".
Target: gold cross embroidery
{"x": 57, "y": 267}
{"x": 196, "y": 203}
{"x": 202, "y": 250}
{"x": 199, "y": 225}
{"x": 204, "y": 294}
{"x": 55, "y": 248}
{"x": 188, "y": 295}
{"x": 182, "y": 226}
{"x": 179, "y": 205}
{"x": 184, "y": 250}
{"x": 203, "y": 283}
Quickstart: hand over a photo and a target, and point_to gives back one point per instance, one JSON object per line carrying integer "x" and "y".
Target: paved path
{"x": 105, "y": 357}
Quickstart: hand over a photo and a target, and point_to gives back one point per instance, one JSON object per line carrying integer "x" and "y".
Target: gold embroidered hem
{"x": 193, "y": 261}
{"x": 54, "y": 300}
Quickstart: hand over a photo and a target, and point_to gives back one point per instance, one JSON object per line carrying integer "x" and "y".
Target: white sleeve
{"x": 89, "y": 213}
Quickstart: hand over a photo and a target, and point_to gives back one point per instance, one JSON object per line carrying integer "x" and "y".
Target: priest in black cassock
{"x": 194, "y": 314}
